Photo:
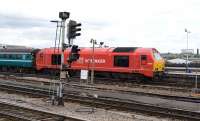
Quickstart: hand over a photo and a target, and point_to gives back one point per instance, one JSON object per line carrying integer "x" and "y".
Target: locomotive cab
{"x": 158, "y": 65}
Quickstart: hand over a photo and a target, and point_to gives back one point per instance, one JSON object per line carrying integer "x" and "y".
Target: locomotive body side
{"x": 48, "y": 58}
{"x": 102, "y": 60}
{"x": 128, "y": 60}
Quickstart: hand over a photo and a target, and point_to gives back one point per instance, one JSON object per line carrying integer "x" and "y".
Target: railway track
{"x": 17, "y": 74}
{"x": 76, "y": 94}
{"x": 174, "y": 81}
{"x": 164, "y": 96}
{"x": 128, "y": 86}
{"x": 140, "y": 107}
{"x": 28, "y": 88}
{"x": 182, "y": 69}
{"x": 19, "y": 113}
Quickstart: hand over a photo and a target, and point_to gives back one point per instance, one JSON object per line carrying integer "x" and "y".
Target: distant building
{"x": 178, "y": 61}
{"x": 187, "y": 51}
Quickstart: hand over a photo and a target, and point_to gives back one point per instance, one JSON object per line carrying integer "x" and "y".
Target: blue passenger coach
{"x": 17, "y": 58}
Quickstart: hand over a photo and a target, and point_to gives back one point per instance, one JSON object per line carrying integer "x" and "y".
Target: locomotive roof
{"x": 16, "y": 50}
{"x": 125, "y": 49}
{"x": 83, "y": 49}
{"x": 101, "y": 50}
{"x": 113, "y": 49}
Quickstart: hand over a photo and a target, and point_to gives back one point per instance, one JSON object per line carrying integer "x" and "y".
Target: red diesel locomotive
{"x": 120, "y": 61}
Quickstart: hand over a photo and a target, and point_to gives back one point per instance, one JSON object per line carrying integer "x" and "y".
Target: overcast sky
{"x": 143, "y": 23}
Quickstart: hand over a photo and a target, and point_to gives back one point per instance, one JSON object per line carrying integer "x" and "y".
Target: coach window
{"x": 18, "y": 56}
{"x": 4, "y": 56}
{"x": 23, "y": 57}
{"x": 143, "y": 59}
{"x": 13, "y": 56}
{"x": 121, "y": 61}
{"x": 7, "y": 56}
{"x": 28, "y": 56}
{"x": 10, "y": 56}
{"x": 56, "y": 59}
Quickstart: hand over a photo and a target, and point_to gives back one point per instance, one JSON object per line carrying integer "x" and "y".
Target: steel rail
{"x": 171, "y": 97}
{"x": 127, "y": 105}
{"x": 186, "y": 80}
{"x": 43, "y": 91}
{"x": 114, "y": 102}
{"x": 28, "y": 114}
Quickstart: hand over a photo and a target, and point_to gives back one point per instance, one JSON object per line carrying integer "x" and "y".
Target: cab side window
{"x": 143, "y": 59}
{"x": 56, "y": 59}
{"x": 121, "y": 61}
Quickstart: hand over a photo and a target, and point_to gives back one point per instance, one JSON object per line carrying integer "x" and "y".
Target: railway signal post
{"x": 63, "y": 16}
{"x": 72, "y": 32}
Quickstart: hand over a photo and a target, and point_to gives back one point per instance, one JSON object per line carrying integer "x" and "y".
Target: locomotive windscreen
{"x": 125, "y": 49}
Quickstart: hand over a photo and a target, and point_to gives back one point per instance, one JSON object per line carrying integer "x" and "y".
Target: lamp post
{"x": 92, "y": 70}
{"x": 187, "y": 31}
{"x": 57, "y": 25}
{"x": 94, "y": 42}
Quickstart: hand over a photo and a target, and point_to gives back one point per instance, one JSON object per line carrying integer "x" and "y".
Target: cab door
{"x": 40, "y": 60}
{"x": 143, "y": 61}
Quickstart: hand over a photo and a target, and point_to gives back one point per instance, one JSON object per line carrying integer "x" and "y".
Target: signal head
{"x": 64, "y": 15}
{"x": 72, "y": 29}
